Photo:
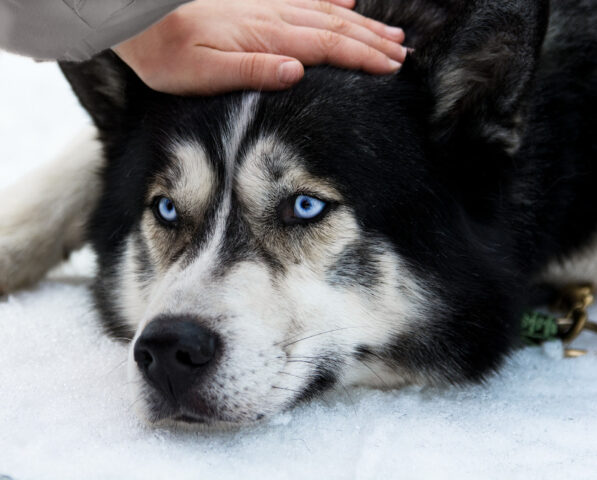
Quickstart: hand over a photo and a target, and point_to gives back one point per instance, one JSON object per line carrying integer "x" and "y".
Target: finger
{"x": 220, "y": 72}
{"x": 344, "y": 3}
{"x": 312, "y": 46}
{"x": 393, "y": 33}
{"x": 315, "y": 19}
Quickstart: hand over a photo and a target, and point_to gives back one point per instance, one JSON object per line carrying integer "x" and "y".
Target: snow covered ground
{"x": 65, "y": 412}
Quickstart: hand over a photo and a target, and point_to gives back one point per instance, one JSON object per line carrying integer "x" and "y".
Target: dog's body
{"x": 444, "y": 197}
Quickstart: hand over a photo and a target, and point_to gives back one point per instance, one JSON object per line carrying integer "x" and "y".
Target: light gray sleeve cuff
{"x": 75, "y": 29}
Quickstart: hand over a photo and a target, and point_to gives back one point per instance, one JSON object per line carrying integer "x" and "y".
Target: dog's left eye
{"x": 302, "y": 209}
{"x": 307, "y": 208}
{"x": 165, "y": 210}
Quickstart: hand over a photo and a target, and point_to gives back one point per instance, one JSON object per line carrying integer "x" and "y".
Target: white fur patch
{"x": 580, "y": 267}
{"x": 44, "y": 215}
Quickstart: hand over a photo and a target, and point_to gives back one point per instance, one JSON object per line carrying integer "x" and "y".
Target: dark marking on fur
{"x": 104, "y": 292}
{"x": 323, "y": 378}
{"x": 355, "y": 265}
{"x": 145, "y": 268}
{"x": 363, "y": 352}
{"x": 237, "y": 242}
{"x": 240, "y": 244}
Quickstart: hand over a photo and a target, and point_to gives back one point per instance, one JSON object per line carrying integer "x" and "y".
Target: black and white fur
{"x": 457, "y": 189}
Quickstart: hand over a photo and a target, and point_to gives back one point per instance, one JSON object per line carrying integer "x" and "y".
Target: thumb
{"x": 228, "y": 71}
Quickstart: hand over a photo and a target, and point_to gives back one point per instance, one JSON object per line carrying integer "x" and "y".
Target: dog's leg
{"x": 43, "y": 216}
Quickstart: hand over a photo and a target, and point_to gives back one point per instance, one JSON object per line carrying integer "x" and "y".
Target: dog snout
{"x": 173, "y": 352}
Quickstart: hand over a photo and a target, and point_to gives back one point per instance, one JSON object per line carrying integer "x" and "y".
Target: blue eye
{"x": 166, "y": 210}
{"x": 307, "y": 208}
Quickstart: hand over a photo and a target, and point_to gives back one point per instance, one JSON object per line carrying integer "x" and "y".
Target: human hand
{"x": 207, "y": 47}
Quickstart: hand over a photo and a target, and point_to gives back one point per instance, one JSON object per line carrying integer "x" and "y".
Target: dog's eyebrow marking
{"x": 198, "y": 179}
{"x": 190, "y": 179}
{"x": 270, "y": 169}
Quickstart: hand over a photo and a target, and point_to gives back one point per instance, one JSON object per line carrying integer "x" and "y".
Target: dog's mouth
{"x": 194, "y": 422}
{"x": 166, "y": 413}
{"x": 185, "y": 418}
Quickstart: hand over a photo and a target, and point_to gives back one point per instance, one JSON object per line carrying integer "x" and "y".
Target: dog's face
{"x": 268, "y": 249}
{"x": 260, "y": 248}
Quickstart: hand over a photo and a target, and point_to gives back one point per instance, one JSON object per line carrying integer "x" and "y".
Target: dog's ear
{"x": 107, "y": 88}
{"x": 478, "y": 66}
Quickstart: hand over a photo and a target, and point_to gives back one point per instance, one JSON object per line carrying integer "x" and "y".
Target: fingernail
{"x": 394, "y": 65}
{"x": 395, "y": 32}
{"x": 290, "y": 72}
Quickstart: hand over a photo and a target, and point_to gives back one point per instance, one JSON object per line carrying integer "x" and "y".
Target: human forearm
{"x": 75, "y": 29}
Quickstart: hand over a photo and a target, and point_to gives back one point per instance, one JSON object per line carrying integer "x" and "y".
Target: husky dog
{"x": 259, "y": 248}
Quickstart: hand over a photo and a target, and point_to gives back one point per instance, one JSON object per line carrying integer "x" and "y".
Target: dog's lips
{"x": 190, "y": 419}
{"x": 220, "y": 423}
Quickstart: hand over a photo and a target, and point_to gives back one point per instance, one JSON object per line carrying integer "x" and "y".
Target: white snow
{"x": 65, "y": 412}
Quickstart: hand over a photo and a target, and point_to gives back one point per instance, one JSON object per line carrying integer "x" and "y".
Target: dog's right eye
{"x": 165, "y": 211}
{"x": 302, "y": 210}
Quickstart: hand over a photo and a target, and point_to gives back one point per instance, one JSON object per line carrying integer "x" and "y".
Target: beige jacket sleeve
{"x": 75, "y": 29}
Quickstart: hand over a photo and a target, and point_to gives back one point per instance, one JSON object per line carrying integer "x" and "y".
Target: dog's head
{"x": 260, "y": 248}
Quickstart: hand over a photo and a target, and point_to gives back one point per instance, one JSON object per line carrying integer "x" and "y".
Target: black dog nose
{"x": 172, "y": 352}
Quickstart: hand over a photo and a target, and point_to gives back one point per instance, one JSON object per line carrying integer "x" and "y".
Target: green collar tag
{"x": 537, "y": 327}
